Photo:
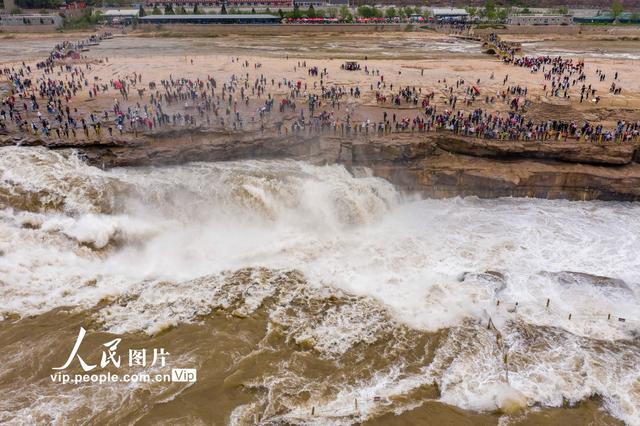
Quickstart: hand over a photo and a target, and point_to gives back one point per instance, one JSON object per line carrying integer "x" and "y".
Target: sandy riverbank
{"x": 423, "y": 60}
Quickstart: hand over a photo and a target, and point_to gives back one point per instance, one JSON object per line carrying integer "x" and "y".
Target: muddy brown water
{"x": 252, "y": 368}
{"x": 223, "y": 349}
{"x": 231, "y": 372}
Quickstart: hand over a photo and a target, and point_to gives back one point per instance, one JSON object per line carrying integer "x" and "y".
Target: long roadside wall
{"x": 626, "y": 31}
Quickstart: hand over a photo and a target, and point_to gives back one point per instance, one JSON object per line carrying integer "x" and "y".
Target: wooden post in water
{"x": 356, "y": 403}
{"x": 548, "y": 300}
{"x": 569, "y": 317}
{"x": 313, "y": 410}
{"x": 506, "y": 367}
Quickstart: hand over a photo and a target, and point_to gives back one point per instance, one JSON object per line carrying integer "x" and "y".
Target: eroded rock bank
{"x": 447, "y": 166}
{"x": 437, "y": 165}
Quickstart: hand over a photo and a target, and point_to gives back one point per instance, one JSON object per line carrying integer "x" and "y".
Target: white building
{"x": 122, "y": 16}
{"x": 449, "y": 14}
{"x": 28, "y": 23}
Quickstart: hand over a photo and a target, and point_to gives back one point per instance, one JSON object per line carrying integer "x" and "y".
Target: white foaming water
{"x": 72, "y": 235}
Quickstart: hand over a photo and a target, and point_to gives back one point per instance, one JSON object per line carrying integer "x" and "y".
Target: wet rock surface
{"x": 570, "y": 152}
{"x": 495, "y": 279}
{"x": 581, "y": 278}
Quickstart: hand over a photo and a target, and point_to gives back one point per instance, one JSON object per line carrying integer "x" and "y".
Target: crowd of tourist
{"x": 40, "y": 102}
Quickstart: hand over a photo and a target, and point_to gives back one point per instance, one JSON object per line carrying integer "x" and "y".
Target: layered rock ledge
{"x": 436, "y": 164}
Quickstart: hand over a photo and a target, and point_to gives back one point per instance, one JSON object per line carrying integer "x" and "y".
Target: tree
{"x": 156, "y": 11}
{"x": 39, "y": 4}
{"x": 563, "y": 10}
{"x": 223, "y": 10}
{"x": 616, "y": 9}
{"x": 281, "y": 13}
{"x": 196, "y": 11}
{"x": 181, "y": 11}
{"x": 502, "y": 14}
{"x": 391, "y": 13}
{"x": 168, "y": 10}
{"x": 87, "y": 19}
{"x": 141, "y": 12}
{"x": 344, "y": 12}
{"x": 490, "y": 9}
{"x": 472, "y": 11}
{"x": 369, "y": 12}
{"x": 311, "y": 13}
{"x": 525, "y": 11}
{"x": 365, "y": 11}
{"x": 296, "y": 14}
{"x": 253, "y": 11}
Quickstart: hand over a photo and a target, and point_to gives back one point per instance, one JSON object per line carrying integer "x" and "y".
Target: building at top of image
{"x": 6, "y": 6}
{"x": 219, "y": 3}
{"x": 28, "y": 22}
{"x": 210, "y": 19}
{"x": 322, "y": 3}
{"x": 441, "y": 14}
{"x": 120, "y": 16}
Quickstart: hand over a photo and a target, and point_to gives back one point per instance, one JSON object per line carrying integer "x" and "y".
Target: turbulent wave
{"x": 482, "y": 304}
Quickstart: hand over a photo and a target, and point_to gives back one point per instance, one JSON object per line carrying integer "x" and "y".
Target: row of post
{"x": 490, "y": 324}
{"x": 355, "y": 403}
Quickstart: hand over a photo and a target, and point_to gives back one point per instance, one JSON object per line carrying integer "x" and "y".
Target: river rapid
{"x": 307, "y": 294}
